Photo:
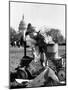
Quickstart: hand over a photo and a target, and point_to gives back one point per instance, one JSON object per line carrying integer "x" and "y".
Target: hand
{"x": 44, "y": 64}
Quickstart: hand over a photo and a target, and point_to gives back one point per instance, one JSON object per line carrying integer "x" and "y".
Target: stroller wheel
{"x": 22, "y": 74}
{"x": 61, "y": 75}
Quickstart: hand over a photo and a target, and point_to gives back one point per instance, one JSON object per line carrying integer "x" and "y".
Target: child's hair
{"x": 39, "y": 41}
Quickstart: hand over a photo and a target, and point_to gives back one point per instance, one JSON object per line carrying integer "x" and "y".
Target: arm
{"x": 44, "y": 59}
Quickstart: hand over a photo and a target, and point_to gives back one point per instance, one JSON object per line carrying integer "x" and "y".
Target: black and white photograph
{"x": 37, "y": 44}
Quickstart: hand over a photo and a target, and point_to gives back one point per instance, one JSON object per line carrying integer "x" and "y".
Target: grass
{"x": 15, "y": 57}
{"x": 17, "y": 53}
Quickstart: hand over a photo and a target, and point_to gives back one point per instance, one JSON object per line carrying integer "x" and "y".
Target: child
{"x": 39, "y": 49}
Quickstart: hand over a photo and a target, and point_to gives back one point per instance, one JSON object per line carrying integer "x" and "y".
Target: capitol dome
{"x": 22, "y": 25}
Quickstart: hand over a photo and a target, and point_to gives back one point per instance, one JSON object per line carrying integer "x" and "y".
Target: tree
{"x": 19, "y": 39}
{"x": 12, "y": 33}
{"x": 61, "y": 40}
{"x": 56, "y": 35}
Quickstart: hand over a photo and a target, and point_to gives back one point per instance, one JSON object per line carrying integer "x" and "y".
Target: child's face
{"x": 37, "y": 49}
{"x": 30, "y": 42}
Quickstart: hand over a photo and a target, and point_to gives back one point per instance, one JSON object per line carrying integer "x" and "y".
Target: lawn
{"x": 17, "y": 53}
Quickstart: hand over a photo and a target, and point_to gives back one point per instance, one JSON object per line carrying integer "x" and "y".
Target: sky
{"x": 52, "y": 16}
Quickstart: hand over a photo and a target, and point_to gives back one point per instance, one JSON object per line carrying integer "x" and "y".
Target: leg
{"x": 53, "y": 75}
{"x": 39, "y": 80}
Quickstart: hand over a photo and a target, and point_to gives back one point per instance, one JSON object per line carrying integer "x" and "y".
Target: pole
{"x": 24, "y": 43}
{"x": 24, "y": 48}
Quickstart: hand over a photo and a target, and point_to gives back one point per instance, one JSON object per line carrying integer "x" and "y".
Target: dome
{"x": 22, "y": 25}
